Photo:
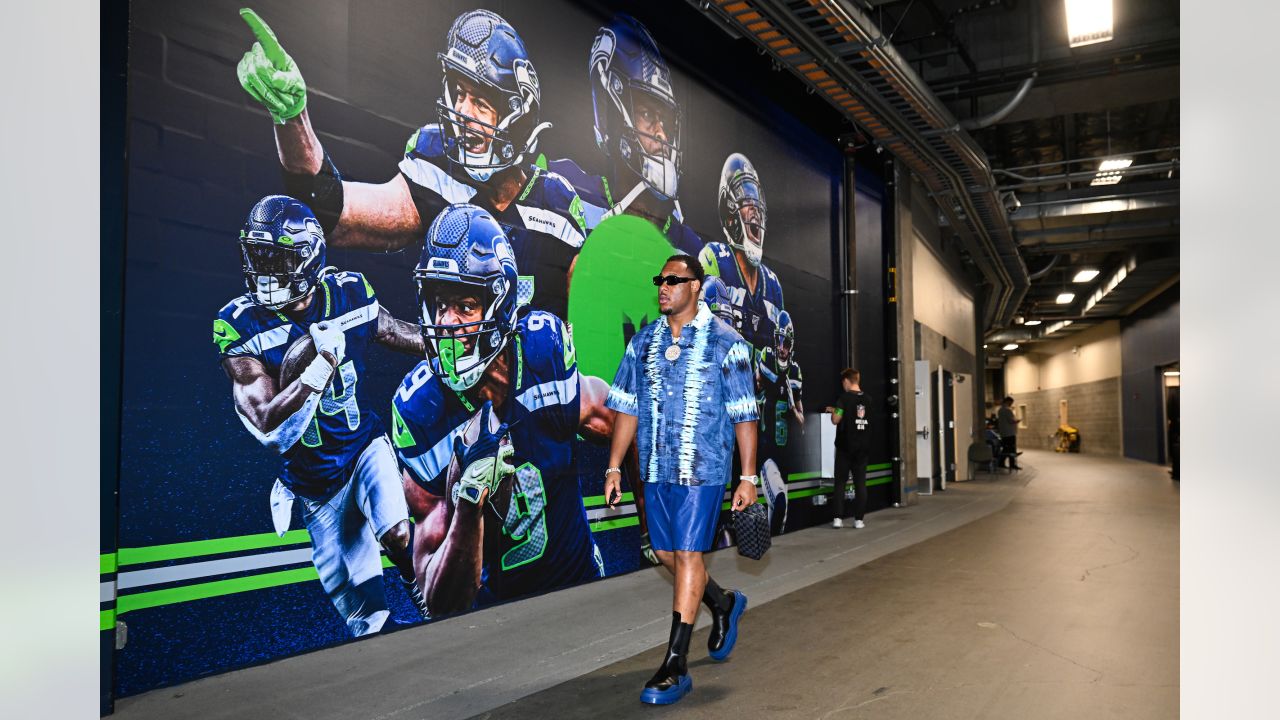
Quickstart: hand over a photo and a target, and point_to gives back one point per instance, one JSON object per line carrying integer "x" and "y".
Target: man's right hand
{"x": 269, "y": 75}
{"x": 613, "y": 488}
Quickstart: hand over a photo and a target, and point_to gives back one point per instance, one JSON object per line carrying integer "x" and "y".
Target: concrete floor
{"x": 1052, "y": 593}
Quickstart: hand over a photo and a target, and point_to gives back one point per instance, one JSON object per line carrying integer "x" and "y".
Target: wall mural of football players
{"x": 779, "y": 384}
{"x": 294, "y": 347}
{"x": 481, "y": 150}
{"x": 485, "y": 428}
{"x": 485, "y": 482}
{"x": 755, "y": 295}
{"x": 637, "y": 125}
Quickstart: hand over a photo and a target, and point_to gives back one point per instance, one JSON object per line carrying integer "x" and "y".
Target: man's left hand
{"x": 744, "y": 496}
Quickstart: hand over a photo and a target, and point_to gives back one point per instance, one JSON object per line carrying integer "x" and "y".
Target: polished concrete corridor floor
{"x": 1052, "y": 593}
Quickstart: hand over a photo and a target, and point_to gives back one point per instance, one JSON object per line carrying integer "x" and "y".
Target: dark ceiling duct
{"x": 1045, "y": 270}
{"x": 839, "y": 52}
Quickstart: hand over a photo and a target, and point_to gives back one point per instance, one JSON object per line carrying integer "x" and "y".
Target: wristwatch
{"x": 753, "y": 479}
{"x": 611, "y": 470}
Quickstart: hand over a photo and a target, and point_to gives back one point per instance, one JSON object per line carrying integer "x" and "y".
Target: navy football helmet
{"x": 784, "y": 340}
{"x": 630, "y": 87}
{"x": 486, "y": 51}
{"x": 716, "y": 295}
{"x": 742, "y": 207}
{"x": 281, "y": 251}
{"x": 466, "y": 254}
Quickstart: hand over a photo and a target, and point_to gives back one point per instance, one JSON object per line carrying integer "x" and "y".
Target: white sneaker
{"x": 859, "y": 524}
{"x": 837, "y": 523}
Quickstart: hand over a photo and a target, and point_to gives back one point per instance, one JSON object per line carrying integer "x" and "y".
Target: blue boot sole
{"x": 670, "y": 696}
{"x": 731, "y": 638}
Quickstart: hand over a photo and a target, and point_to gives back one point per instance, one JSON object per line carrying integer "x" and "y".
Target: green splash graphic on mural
{"x": 613, "y": 288}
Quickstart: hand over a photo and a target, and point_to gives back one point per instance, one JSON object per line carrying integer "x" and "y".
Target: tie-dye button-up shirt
{"x": 686, "y": 408}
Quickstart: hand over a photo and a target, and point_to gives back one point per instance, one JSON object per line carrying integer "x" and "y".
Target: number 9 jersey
{"x": 543, "y": 540}
{"x": 323, "y": 459}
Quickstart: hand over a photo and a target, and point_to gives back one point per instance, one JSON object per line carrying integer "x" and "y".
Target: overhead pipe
{"x": 899, "y": 103}
{"x": 1045, "y": 270}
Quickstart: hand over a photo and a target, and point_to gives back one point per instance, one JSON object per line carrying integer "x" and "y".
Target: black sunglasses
{"x": 658, "y": 280}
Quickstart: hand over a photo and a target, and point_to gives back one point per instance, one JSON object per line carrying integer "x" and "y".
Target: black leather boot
{"x": 724, "y": 624}
{"x": 672, "y": 680}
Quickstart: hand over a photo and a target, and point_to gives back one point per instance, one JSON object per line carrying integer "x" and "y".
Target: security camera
{"x": 1010, "y": 201}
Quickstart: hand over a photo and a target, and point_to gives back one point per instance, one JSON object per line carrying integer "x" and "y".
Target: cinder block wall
{"x": 1092, "y": 407}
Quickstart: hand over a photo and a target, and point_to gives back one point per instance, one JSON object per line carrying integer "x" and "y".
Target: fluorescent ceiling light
{"x": 1056, "y": 327}
{"x": 1110, "y": 171}
{"x": 1088, "y": 22}
{"x": 1065, "y": 298}
{"x": 1085, "y": 276}
{"x": 1010, "y": 346}
{"x": 1033, "y": 322}
{"x": 1172, "y": 373}
{"x": 1120, "y": 274}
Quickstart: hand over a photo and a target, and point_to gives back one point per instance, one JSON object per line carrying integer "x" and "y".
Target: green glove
{"x": 269, "y": 75}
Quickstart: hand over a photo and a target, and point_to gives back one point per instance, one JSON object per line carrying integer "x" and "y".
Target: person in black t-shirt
{"x": 853, "y": 444}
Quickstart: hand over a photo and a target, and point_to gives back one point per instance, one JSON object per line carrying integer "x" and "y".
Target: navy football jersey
{"x": 544, "y": 540}
{"x": 545, "y": 222}
{"x": 755, "y": 313}
{"x": 778, "y": 393}
{"x": 598, "y": 198}
{"x": 324, "y": 458}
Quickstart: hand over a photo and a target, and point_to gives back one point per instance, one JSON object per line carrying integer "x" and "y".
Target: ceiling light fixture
{"x": 1065, "y": 298}
{"x": 1056, "y": 327}
{"x": 1110, "y": 171}
{"x": 1172, "y": 373}
{"x": 1010, "y": 346}
{"x": 1088, "y": 22}
{"x": 1112, "y": 282}
{"x": 1085, "y": 276}
{"x": 1033, "y": 322}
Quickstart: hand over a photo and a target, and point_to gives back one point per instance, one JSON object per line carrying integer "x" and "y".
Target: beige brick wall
{"x": 1092, "y": 407}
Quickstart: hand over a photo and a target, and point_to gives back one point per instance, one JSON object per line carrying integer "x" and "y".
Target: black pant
{"x": 851, "y": 462}
{"x": 1009, "y": 451}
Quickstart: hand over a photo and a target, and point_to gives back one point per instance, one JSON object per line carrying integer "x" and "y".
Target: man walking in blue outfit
{"x": 686, "y": 384}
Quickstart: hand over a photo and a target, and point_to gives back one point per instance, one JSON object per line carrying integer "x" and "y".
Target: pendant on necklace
{"x": 673, "y": 352}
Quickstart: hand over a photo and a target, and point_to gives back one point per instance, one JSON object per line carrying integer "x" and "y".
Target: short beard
{"x": 668, "y": 311}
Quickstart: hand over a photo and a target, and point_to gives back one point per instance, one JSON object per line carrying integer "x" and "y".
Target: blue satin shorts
{"x": 682, "y": 517}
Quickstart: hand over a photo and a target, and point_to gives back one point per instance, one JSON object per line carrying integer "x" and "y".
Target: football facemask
{"x": 275, "y": 274}
{"x": 460, "y": 350}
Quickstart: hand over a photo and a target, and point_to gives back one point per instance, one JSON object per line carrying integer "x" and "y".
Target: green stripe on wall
{"x": 807, "y": 492}
{"x": 881, "y": 466}
{"x": 591, "y": 501}
{"x": 106, "y": 563}
{"x": 197, "y": 548}
{"x": 604, "y": 525}
{"x": 106, "y": 620}
{"x": 172, "y": 596}
{"x": 793, "y": 477}
{"x": 826, "y": 490}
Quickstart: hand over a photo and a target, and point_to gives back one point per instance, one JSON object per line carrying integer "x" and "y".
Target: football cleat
{"x": 775, "y": 495}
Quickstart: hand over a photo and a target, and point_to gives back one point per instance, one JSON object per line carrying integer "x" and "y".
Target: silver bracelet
{"x": 611, "y": 470}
